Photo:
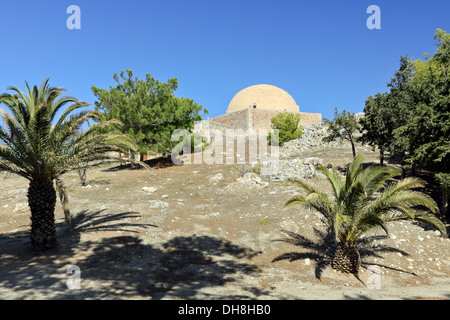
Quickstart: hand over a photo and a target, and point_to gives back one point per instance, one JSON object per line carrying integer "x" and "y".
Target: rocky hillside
{"x": 295, "y": 161}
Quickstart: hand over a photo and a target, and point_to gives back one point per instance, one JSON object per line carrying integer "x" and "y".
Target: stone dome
{"x": 263, "y": 96}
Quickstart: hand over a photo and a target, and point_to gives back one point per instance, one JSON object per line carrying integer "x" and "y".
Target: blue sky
{"x": 320, "y": 51}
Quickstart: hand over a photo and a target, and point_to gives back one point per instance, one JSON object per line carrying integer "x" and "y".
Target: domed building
{"x": 263, "y": 96}
{"x": 254, "y": 107}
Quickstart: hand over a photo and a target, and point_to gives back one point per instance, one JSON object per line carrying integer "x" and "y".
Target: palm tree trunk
{"x": 346, "y": 259}
{"x": 42, "y": 201}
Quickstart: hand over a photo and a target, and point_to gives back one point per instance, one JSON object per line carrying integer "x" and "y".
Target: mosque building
{"x": 254, "y": 107}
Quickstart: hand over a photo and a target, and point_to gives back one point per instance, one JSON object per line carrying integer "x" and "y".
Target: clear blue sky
{"x": 320, "y": 51}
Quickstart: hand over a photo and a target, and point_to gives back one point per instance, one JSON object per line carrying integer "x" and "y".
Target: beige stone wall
{"x": 310, "y": 118}
{"x": 260, "y": 119}
{"x": 237, "y": 120}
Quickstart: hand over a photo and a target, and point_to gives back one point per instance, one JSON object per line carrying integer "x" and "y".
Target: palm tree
{"x": 41, "y": 140}
{"x": 364, "y": 201}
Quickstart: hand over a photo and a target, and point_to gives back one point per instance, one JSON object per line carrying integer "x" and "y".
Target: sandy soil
{"x": 215, "y": 239}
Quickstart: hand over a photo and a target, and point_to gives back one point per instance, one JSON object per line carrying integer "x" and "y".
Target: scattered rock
{"x": 314, "y": 161}
{"x": 158, "y": 204}
{"x": 252, "y": 179}
{"x": 21, "y": 207}
{"x": 149, "y": 189}
{"x": 216, "y": 177}
{"x": 294, "y": 169}
{"x": 311, "y": 138}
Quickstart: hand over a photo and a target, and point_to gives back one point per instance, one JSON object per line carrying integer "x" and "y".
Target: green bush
{"x": 287, "y": 124}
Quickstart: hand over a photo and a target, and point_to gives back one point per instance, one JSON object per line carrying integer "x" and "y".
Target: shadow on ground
{"x": 322, "y": 250}
{"x": 122, "y": 266}
{"x": 155, "y": 163}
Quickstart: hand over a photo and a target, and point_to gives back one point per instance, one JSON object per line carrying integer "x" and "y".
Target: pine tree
{"x": 148, "y": 109}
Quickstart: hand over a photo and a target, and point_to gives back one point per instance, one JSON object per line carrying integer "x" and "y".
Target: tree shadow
{"x": 155, "y": 163}
{"x": 27, "y": 272}
{"x": 322, "y": 250}
{"x": 125, "y": 266}
{"x": 86, "y": 221}
{"x": 178, "y": 270}
{"x": 357, "y": 297}
{"x": 98, "y": 221}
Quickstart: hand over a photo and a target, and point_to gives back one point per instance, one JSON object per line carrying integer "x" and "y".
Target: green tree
{"x": 40, "y": 141}
{"x": 412, "y": 119}
{"x": 148, "y": 109}
{"x": 387, "y": 116}
{"x": 378, "y": 123}
{"x": 287, "y": 124}
{"x": 421, "y": 89}
{"x": 342, "y": 127}
{"x": 431, "y": 120}
{"x": 364, "y": 201}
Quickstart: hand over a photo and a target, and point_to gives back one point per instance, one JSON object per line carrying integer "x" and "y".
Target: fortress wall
{"x": 257, "y": 119}
{"x": 310, "y": 118}
{"x": 261, "y": 118}
{"x": 237, "y": 120}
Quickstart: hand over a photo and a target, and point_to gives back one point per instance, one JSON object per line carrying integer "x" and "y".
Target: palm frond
{"x": 43, "y": 137}
{"x": 335, "y": 180}
{"x": 318, "y": 201}
{"x": 431, "y": 220}
{"x": 354, "y": 169}
{"x": 366, "y": 201}
{"x": 374, "y": 178}
{"x": 305, "y": 186}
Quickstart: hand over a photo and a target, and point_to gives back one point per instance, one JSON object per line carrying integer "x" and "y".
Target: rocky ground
{"x": 209, "y": 232}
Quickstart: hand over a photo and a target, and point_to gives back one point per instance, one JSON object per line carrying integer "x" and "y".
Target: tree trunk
{"x": 346, "y": 259}
{"x": 42, "y": 201}
{"x": 445, "y": 204}
{"x": 143, "y": 157}
{"x": 353, "y": 148}
{"x": 82, "y": 174}
{"x": 381, "y": 158}
{"x": 402, "y": 164}
{"x": 64, "y": 199}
